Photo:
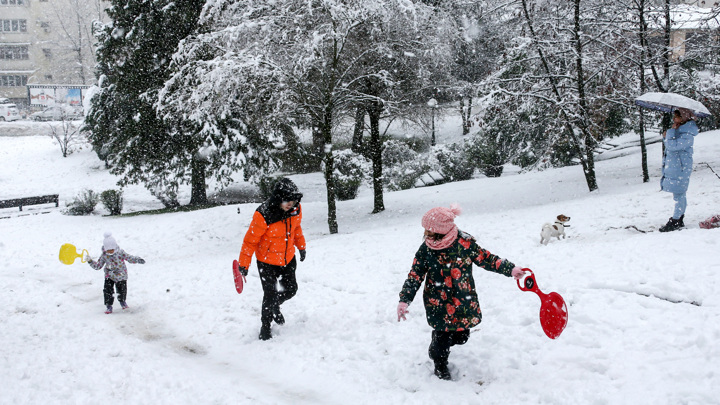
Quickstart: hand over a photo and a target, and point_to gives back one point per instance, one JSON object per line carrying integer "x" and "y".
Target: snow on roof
{"x": 687, "y": 17}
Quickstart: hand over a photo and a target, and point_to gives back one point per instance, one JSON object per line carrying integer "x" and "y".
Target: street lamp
{"x": 432, "y": 103}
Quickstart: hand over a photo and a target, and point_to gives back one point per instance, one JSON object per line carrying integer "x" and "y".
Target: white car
{"x": 57, "y": 113}
{"x": 9, "y": 112}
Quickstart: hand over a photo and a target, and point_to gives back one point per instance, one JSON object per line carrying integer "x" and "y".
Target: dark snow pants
{"x": 439, "y": 350}
{"x": 120, "y": 286}
{"x": 279, "y": 285}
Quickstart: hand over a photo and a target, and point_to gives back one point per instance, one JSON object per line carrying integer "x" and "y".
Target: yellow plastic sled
{"x": 68, "y": 254}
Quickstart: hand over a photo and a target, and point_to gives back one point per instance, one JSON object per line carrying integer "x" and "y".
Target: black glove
{"x": 302, "y": 255}
{"x": 141, "y": 260}
{"x": 243, "y": 271}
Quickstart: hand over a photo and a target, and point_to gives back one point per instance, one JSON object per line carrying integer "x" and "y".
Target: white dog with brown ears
{"x": 554, "y": 230}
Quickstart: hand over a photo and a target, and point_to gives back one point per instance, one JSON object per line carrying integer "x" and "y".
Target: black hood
{"x": 284, "y": 190}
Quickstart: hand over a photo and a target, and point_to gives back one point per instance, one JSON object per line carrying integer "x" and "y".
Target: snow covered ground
{"x": 644, "y": 308}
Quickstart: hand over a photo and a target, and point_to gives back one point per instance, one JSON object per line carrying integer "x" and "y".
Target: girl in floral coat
{"x": 445, "y": 262}
{"x": 113, "y": 258}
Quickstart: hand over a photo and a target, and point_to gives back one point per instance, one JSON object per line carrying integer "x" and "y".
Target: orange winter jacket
{"x": 273, "y": 243}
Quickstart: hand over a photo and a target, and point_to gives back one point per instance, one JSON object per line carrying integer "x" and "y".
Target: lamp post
{"x": 432, "y": 103}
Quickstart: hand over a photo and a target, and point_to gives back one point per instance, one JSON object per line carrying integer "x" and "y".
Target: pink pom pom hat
{"x": 441, "y": 219}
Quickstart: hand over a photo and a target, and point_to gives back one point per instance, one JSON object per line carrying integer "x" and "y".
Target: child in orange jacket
{"x": 273, "y": 235}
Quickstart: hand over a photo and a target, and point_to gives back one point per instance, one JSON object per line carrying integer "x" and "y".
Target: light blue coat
{"x": 678, "y": 160}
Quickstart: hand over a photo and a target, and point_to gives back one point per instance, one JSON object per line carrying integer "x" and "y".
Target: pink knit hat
{"x": 441, "y": 220}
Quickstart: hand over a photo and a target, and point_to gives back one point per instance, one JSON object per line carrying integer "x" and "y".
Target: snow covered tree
{"x": 321, "y": 55}
{"x": 566, "y": 56}
{"x": 134, "y": 54}
{"x": 73, "y": 48}
{"x": 403, "y": 65}
{"x": 232, "y": 122}
{"x": 476, "y": 36}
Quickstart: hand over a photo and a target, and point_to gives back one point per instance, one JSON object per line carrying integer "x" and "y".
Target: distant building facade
{"x": 46, "y": 42}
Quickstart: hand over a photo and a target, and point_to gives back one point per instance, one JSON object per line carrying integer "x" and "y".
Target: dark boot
{"x": 265, "y": 332}
{"x": 278, "y": 316}
{"x": 441, "y": 369}
{"x": 673, "y": 224}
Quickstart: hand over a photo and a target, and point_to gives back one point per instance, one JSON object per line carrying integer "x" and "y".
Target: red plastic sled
{"x": 239, "y": 278}
{"x": 553, "y": 311}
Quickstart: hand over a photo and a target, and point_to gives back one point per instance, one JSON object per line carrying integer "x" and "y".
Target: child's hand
{"x": 402, "y": 310}
{"x": 88, "y": 258}
{"x": 517, "y": 272}
{"x": 141, "y": 260}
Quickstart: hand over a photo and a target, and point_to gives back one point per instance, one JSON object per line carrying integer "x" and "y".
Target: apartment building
{"x": 46, "y": 42}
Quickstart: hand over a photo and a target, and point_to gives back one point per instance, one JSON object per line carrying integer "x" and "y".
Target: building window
{"x": 47, "y": 52}
{"x": 13, "y": 25}
{"x": 13, "y": 80}
{"x": 12, "y": 2}
{"x": 17, "y": 52}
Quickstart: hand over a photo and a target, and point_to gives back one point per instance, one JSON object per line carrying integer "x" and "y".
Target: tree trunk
{"x": 374, "y": 110}
{"x": 590, "y": 141}
{"x": 667, "y": 118}
{"x": 588, "y": 167}
{"x": 79, "y": 48}
{"x": 465, "y": 114}
{"x": 643, "y": 88}
{"x": 326, "y": 131}
{"x": 198, "y": 194}
{"x": 643, "y": 149}
{"x": 357, "y": 140}
{"x": 318, "y": 140}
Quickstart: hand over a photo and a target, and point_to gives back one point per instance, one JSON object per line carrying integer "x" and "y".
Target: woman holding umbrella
{"x": 678, "y": 164}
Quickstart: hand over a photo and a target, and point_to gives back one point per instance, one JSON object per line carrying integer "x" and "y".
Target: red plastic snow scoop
{"x": 239, "y": 278}
{"x": 553, "y": 311}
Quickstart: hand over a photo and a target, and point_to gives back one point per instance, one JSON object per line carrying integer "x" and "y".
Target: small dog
{"x": 554, "y": 230}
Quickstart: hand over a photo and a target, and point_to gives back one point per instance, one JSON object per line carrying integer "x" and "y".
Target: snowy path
{"x": 644, "y": 307}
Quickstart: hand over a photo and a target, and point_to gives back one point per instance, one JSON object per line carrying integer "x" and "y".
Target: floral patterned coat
{"x": 115, "y": 268}
{"x": 451, "y": 302}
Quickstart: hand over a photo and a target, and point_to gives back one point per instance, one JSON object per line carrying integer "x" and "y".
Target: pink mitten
{"x": 402, "y": 310}
{"x": 517, "y": 272}
{"x": 712, "y": 222}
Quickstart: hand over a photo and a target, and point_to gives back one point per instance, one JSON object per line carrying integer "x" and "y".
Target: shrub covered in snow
{"x": 350, "y": 169}
{"x": 453, "y": 162}
{"x": 402, "y": 166}
{"x": 84, "y": 203}
{"x": 488, "y": 152}
{"x": 112, "y": 200}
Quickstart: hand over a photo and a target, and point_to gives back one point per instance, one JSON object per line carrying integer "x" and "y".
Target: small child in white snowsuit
{"x": 113, "y": 258}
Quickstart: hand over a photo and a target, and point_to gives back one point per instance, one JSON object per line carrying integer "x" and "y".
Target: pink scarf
{"x": 443, "y": 243}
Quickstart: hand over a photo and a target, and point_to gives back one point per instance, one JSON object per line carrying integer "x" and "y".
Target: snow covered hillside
{"x": 644, "y": 307}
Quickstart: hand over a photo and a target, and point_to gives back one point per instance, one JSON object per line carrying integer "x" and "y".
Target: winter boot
{"x": 673, "y": 224}
{"x": 108, "y": 309}
{"x": 123, "y": 304}
{"x": 278, "y": 316}
{"x": 265, "y": 332}
{"x": 441, "y": 369}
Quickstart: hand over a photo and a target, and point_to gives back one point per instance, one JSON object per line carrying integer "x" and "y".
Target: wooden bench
{"x": 22, "y": 202}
